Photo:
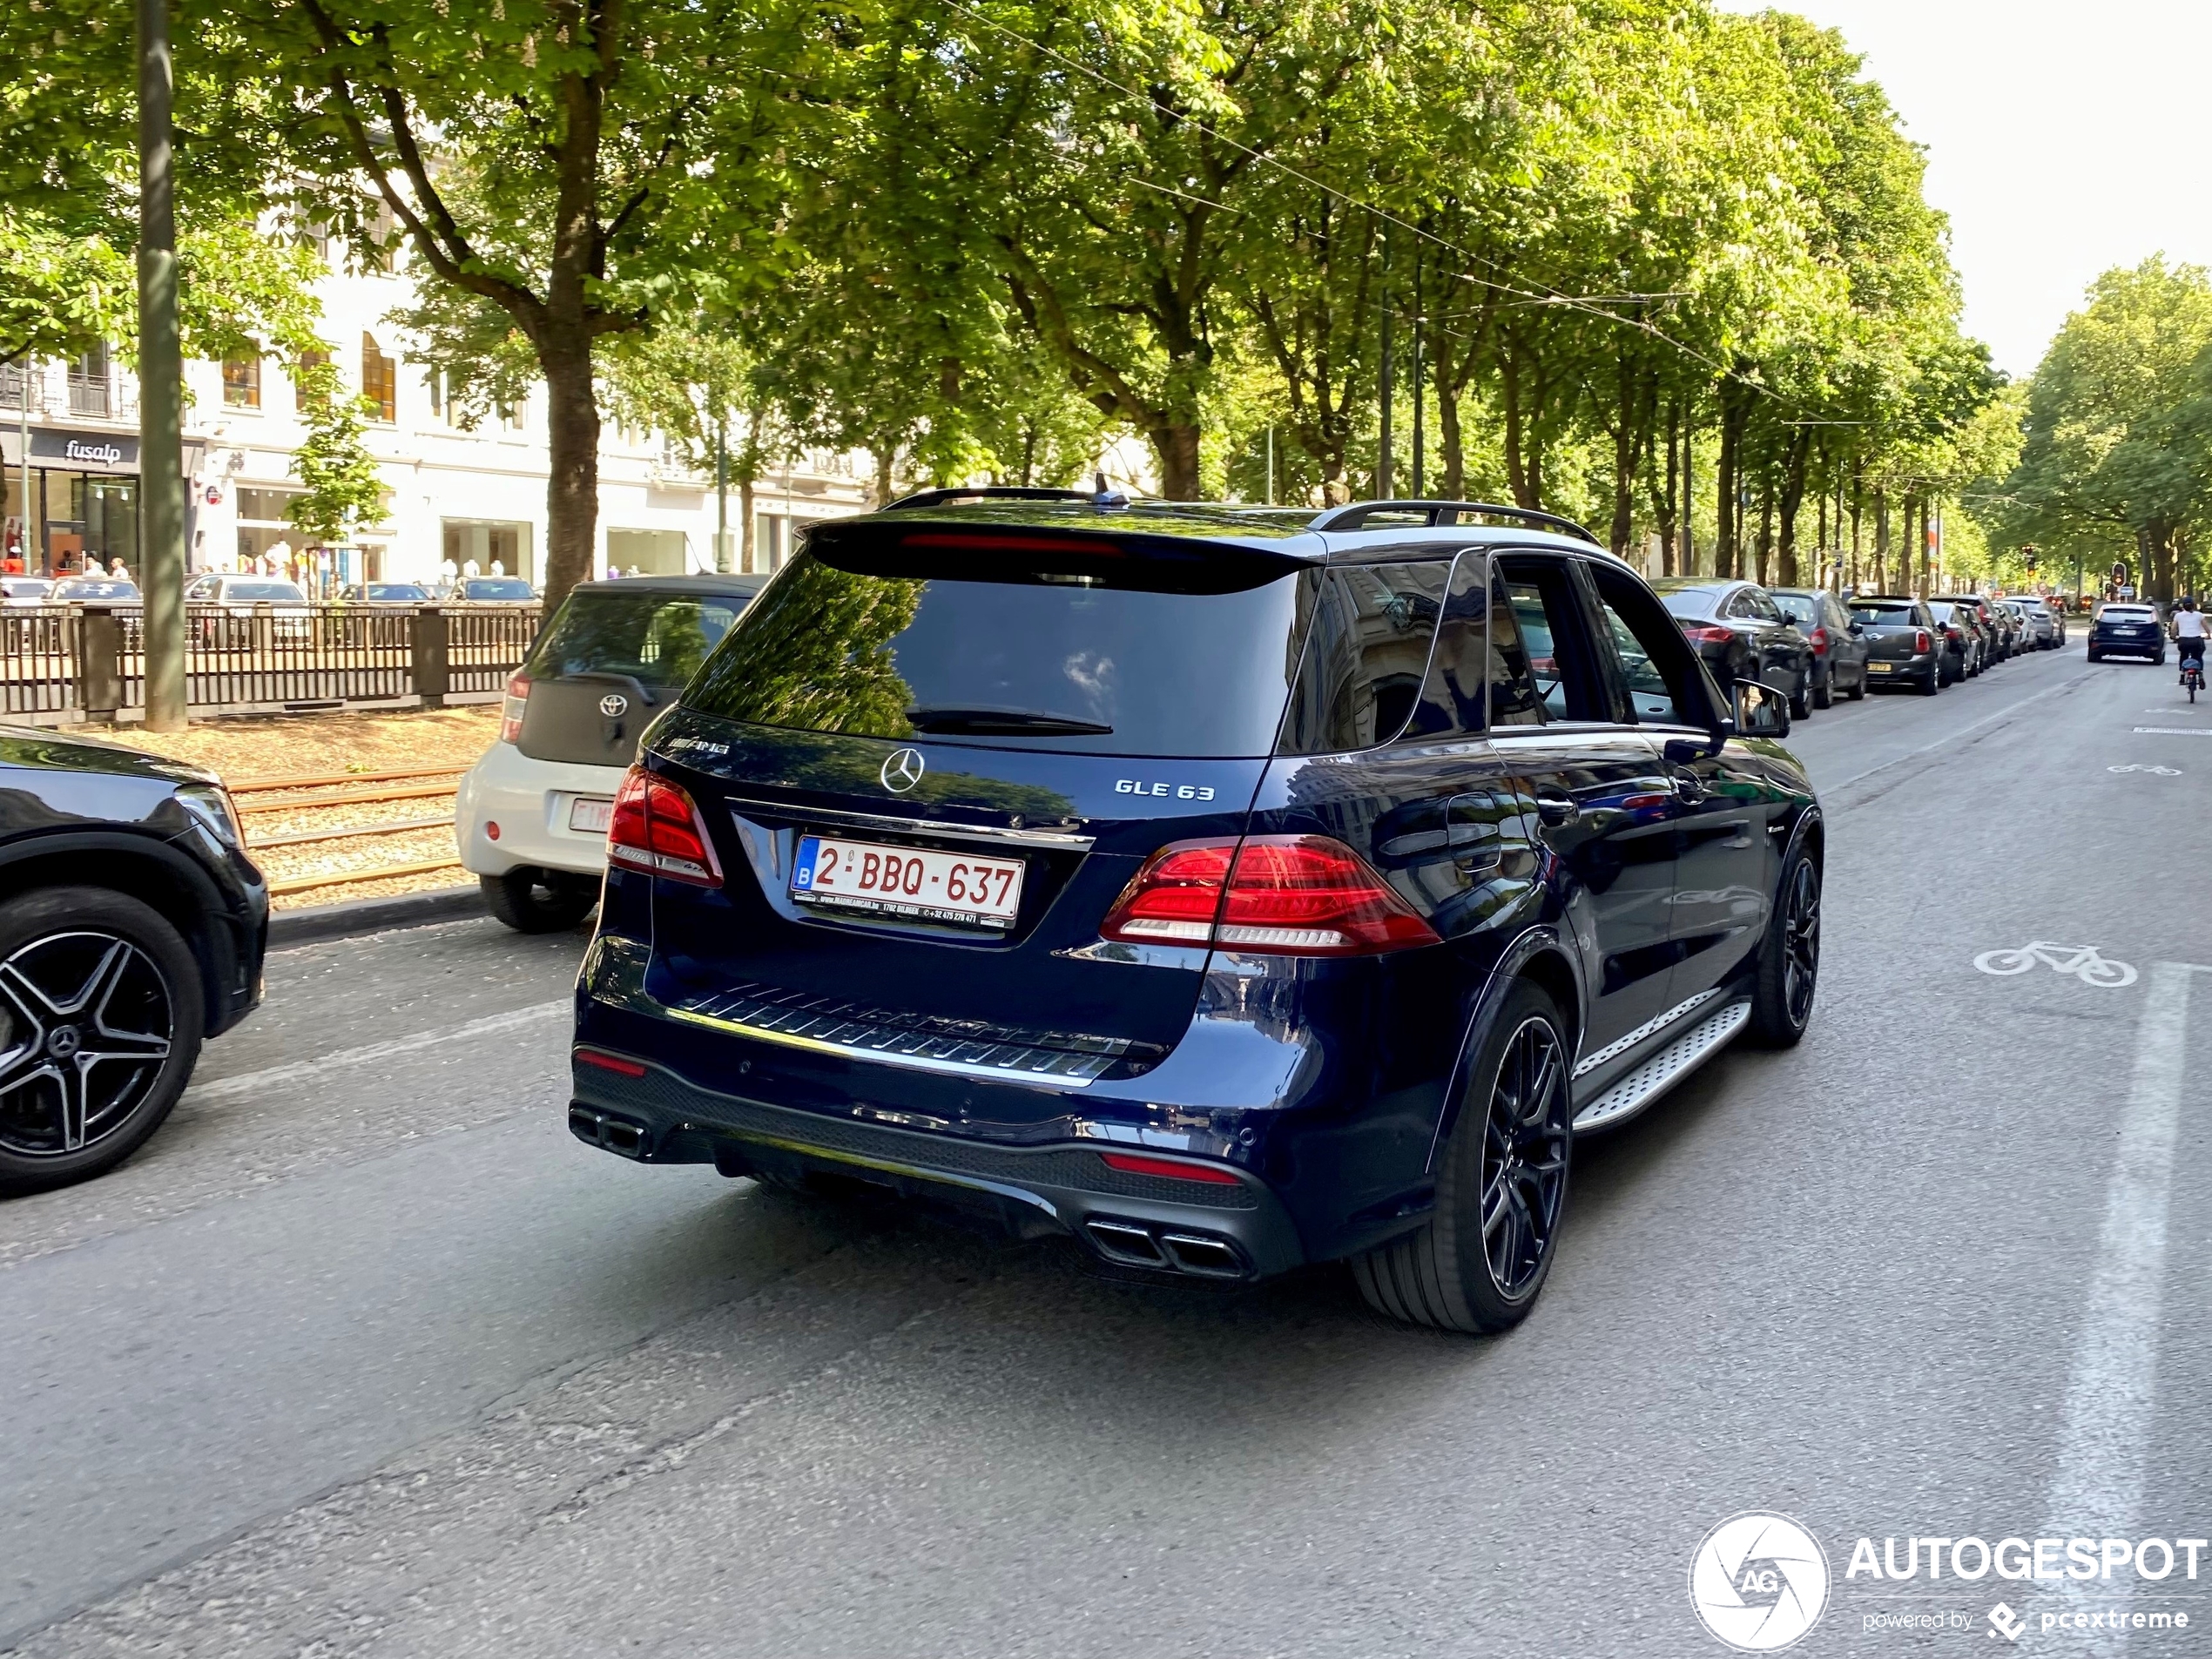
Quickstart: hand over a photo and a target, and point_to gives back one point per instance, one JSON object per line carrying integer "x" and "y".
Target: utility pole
{"x": 1270, "y": 466}
{"x": 161, "y": 458}
{"x": 1382, "y": 458}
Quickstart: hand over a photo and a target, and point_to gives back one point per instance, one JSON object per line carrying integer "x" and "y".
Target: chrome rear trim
{"x": 989, "y": 835}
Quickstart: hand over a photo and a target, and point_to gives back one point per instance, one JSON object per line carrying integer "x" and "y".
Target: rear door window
{"x": 1366, "y": 656}
{"x": 1113, "y": 656}
{"x": 660, "y": 639}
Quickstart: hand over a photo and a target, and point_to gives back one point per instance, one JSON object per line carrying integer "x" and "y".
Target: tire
{"x": 1932, "y": 684}
{"x": 539, "y": 901}
{"x": 1788, "y": 968}
{"x": 1857, "y": 692}
{"x": 1824, "y": 694}
{"x": 73, "y": 951}
{"x": 1801, "y": 698}
{"x": 2094, "y": 655}
{"x": 1450, "y": 1274}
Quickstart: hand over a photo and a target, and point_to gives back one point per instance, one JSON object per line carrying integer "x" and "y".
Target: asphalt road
{"x": 366, "y": 1356}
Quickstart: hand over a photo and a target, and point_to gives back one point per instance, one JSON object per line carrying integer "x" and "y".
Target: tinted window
{"x": 390, "y": 590}
{"x": 1756, "y": 603}
{"x": 511, "y": 587}
{"x": 1662, "y": 679}
{"x": 1548, "y": 618}
{"x": 1690, "y": 601}
{"x": 265, "y": 593}
{"x": 1366, "y": 656}
{"x": 1883, "y": 616}
{"x": 88, "y": 589}
{"x": 1453, "y": 701}
{"x": 658, "y": 637}
{"x": 1803, "y": 611}
{"x": 871, "y": 650}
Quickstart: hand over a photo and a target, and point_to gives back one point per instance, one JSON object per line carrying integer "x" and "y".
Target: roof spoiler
{"x": 1355, "y": 516}
{"x": 1101, "y": 496}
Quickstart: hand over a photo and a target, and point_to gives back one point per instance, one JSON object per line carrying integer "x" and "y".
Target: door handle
{"x": 1556, "y": 809}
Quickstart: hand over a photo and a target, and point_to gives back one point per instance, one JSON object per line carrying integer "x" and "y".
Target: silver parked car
{"x": 2041, "y": 630}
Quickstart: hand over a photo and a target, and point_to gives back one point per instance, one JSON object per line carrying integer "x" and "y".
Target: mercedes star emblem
{"x": 614, "y": 706}
{"x": 903, "y": 770}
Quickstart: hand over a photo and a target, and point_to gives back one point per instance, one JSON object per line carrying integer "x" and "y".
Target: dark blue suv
{"x": 1225, "y": 887}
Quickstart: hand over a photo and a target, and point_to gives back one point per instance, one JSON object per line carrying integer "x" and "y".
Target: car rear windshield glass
{"x": 1018, "y": 649}
{"x": 2125, "y": 613}
{"x": 1880, "y": 614}
{"x": 263, "y": 593}
{"x": 1691, "y": 601}
{"x": 1798, "y": 610}
{"x": 390, "y": 590}
{"x": 660, "y": 639}
{"x": 499, "y": 588}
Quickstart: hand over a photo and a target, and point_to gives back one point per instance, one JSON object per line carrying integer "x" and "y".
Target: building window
{"x": 242, "y": 381}
{"x": 88, "y": 382}
{"x": 301, "y": 397}
{"x": 379, "y": 380}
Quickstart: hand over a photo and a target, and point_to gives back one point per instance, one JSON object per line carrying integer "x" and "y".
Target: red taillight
{"x": 1707, "y": 634}
{"x": 612, "y": 1062}
{"x": 1820, "y": 642}
{"x": 656, "y": 828}
{"x": 511, "y": 711}
{"x": 1920, "y": 642}
{"x": 1129, "y": 1163}
{"x": 1291, "y": 895}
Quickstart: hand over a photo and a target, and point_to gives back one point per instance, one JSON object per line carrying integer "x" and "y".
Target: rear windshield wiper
{"x": 1005, "y": 723}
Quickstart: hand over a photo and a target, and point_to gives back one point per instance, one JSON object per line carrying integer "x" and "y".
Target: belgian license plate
{"x": 589, "y": 812}
{"x": 911, "y": 882}
{"x": 1879, "y": 668}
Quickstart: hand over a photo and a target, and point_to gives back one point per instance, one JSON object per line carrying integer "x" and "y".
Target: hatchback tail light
{"x": 1820, "y": 642}
{"x": 1707, "y": 634}
{"x": 512, "y": 711}
{"x": 1921, "y": 643}
{"x": 1289, "y": 895}
{"x": 656, "y": 828}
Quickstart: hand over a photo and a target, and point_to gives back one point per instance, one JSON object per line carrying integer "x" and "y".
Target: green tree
{"x": 341, "y": 484}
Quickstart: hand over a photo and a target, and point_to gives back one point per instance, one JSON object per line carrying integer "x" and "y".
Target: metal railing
{"x": 61, "y": 663}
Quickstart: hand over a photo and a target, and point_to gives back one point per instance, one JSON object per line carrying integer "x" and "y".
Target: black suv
{"x": 1224, "y": 888}
{"x": 132, "y": 927}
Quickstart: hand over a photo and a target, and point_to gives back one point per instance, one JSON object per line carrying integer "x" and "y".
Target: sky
{"x": 2062, "y": 139}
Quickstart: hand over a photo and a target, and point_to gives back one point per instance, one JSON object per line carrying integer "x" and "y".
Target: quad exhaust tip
{"x": 1134, "y": 1244}
{"x": 616, "y": 1135}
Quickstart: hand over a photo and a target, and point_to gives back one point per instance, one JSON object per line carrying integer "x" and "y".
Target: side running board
{"x": 1665, "y": 1069}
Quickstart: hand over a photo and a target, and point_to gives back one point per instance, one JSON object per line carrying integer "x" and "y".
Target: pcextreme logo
{"x": 1759, "y": 1582}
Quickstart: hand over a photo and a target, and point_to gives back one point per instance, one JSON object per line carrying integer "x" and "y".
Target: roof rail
{"x": 1355, "y": 516}
{"x": 985, "y": 492}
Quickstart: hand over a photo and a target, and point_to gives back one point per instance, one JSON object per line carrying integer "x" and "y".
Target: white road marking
{"x": 370, "y": 1053}
{"x": 2111, "y": 1387}
{"x": 2080, "y": 961}
{"x": 2177, "y": 731}
{"x": 2156, "y": 772}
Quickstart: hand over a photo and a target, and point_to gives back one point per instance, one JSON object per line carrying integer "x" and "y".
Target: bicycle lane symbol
{"x": 2082, "y": 962}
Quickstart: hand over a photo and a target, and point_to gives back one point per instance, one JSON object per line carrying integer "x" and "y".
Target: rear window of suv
{"x": 1094, "y": 655}
{"x": 660, "y": 639}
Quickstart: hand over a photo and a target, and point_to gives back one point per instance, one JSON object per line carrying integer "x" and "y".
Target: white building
{"x": 450, "y": 493}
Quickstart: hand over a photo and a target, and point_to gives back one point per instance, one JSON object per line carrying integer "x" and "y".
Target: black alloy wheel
{"x": 1789, "y": 969}
{"x": 101, "y": 1013}
{"x": 1478, "y": 1264}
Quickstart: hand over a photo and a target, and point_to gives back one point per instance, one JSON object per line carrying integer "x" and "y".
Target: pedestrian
{"x": 116, "y": 570}
{"x": 468, "y": 570}
{"x": 499, "y": 567}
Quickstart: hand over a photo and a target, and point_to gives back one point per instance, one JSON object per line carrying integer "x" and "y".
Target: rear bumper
{"x": 530, "y": 801}
{"x": 1203, "y": 1230}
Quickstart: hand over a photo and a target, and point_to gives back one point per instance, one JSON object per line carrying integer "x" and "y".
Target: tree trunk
{"x": 1858, "y": 512}
{"x": 1177, "y": 449}
{"x": 1666, "y": 499}
{"x": 886, "y": 461}
{"x": 748, "y": 546}
{"x": 1725, "y": 553}
{"x": 1766, "y": 528}
{"x": 572, "y": 442}
{"x": 1450, "y": 445}
{"x": 1793, "y": 495}
{"x": 1689, "y": 495}
{"x": 1882, "y": 543}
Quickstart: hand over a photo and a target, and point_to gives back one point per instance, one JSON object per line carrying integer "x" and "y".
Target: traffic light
{"x": 2029, "y": 556}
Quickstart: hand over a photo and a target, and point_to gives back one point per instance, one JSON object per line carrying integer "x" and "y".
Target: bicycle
{"x": 2192, "y": 676}
{"x": 2080, "y": 961}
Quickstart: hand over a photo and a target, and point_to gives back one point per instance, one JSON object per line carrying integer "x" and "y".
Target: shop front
{"x": 81, "y": 502}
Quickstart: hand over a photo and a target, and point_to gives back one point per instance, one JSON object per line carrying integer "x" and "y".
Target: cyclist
{"x": 2188, "y": 634}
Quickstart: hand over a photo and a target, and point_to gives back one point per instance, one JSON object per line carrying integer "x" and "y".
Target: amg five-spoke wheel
{"x": 100, "y": 1022}
{"x": 1524, "y": 1156}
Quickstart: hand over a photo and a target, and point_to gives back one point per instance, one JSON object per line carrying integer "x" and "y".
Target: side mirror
{"x": 1760, "y": 711}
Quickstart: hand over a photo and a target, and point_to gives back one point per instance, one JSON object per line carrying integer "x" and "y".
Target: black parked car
{"x": 2126, "y": 631}
{"x": 131, "y": 926}
{"x": 1966, "y": 641}
{"x": 1223, "y": 888}
{"x": 1741, "y": 634}
{"x": 1905, "y": 645}
{"x": 1839, "y": 649}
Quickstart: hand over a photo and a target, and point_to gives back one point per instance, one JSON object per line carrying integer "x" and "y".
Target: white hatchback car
{"x": 531, "y": 820}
